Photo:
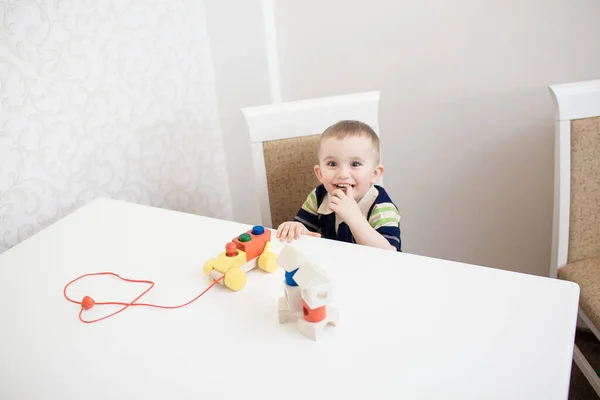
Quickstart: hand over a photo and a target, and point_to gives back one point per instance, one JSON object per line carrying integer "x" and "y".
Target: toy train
{"x": 242, "y": 254}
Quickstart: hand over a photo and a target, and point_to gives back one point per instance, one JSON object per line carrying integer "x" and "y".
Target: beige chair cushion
{"x": 584, "y": 225}
{"x": 585, "y": 273}
{"x": 290, "y": 174}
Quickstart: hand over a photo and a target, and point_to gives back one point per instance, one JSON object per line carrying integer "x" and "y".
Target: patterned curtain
{"x": 106, "y": 99}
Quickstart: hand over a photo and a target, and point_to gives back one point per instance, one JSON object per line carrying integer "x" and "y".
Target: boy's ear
{"x": 318, "y": 173}
{"x": 377, "y": 173}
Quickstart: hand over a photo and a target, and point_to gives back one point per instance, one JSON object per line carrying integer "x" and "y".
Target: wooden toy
{"x": 307, "y": 295}
{"x": 242, "y": 254}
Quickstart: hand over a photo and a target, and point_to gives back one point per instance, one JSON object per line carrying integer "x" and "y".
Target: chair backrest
{"x": 289, "y": 166}
{"x": 576, "y": 220}
{"x": 284, "y": 139}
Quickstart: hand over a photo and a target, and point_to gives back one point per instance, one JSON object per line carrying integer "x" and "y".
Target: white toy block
{"x": 310, "y": 275}
{"x": 316, "y": 286}
{"x": 314, "y": 330}
{"x": 310, "y": 299}
{"x": 290, "y": 259}
{"x": 290, "y": 306}
{"x": 293, "y": 297}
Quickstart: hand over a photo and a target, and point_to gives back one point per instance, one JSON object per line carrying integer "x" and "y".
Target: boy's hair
{"x": 346, "y": 128}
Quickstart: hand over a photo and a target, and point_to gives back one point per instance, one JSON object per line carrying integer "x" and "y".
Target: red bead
{"x": 87, "y": 302}
{"x": 230, "y": 249}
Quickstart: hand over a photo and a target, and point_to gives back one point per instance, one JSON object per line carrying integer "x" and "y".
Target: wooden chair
{"x": 284, "y": 140}
{"x": 576, "y": 222}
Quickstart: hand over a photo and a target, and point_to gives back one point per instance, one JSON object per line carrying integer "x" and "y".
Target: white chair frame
{"x": 572, "y": 101}
{"x": 302, "y": 118}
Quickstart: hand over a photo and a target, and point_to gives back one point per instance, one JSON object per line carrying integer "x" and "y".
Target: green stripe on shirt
{"x": 310, "y": 204}
{"x": 385, "y": 221}
{"x": 384, "y": 214}
{"x": 378, "y": 210}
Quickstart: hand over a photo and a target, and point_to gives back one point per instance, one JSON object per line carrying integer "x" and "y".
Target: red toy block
{"x": 316, "y": 315}
{"x": 258, "y": 238}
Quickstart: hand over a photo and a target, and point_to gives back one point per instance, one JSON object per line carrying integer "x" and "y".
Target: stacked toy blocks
{"x": 307, "y": 299}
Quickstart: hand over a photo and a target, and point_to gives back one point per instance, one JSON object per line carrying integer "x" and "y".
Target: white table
{"x": 410, "y": 327}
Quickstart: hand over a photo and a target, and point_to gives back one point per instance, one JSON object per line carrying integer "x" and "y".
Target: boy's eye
{"x": 356, "y": 164}
{"x": 332, "y": 163}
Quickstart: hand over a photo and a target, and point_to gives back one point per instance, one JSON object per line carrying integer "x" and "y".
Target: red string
{"x": 133, "y": 303}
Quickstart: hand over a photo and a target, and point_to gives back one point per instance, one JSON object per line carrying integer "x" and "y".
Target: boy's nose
{"x": 343, "y": 173}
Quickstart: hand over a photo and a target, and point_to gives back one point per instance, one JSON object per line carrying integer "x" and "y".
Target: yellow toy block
{"x": 230, "y": 258}
{"x": 267, "y": 261}
{"x": 235, "y": 279}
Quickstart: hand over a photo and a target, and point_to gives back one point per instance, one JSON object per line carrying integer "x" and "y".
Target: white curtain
{"x": 109, "y": 99}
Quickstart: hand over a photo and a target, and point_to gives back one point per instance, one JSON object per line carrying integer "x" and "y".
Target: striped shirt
{"x": 376, "y": 206}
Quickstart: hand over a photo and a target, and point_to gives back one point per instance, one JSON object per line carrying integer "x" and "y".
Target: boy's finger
{"x": 297, "y": 231}
{"x": 350, "y": 191}
{"x": 338, "y": 193}
{"x": 315, "y": 234}
{"x": 290, "y": 234}
{"x": 284, "y": 232}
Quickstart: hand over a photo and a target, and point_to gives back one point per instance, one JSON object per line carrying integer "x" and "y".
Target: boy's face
{"x": 349, "y": 161}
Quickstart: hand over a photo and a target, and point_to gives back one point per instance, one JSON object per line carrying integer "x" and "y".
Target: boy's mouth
{"x": 344, "y": 186}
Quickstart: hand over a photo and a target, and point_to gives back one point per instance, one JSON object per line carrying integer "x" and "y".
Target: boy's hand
{"x": 292, "y": 230}
{"x": 344, "y": 205}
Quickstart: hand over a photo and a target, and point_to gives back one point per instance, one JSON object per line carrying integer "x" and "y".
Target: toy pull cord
{"x": 87, "y": 302}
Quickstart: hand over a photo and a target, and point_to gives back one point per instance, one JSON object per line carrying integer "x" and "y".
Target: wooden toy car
{"x": 241, "y": 255}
